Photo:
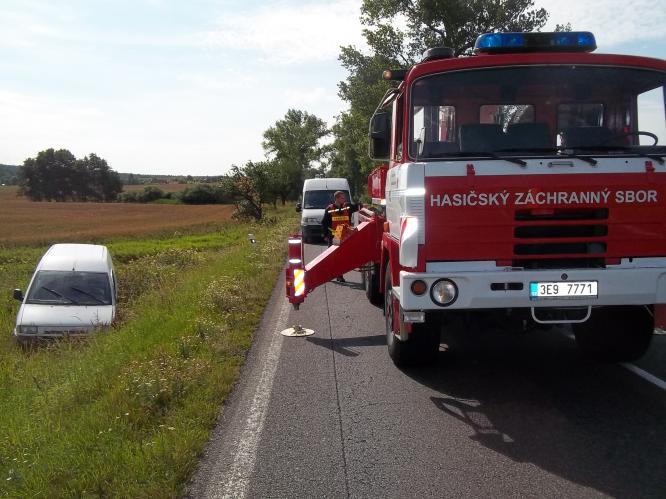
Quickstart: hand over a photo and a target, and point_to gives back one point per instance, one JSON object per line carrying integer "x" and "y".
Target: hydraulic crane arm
{"x": 362, "y": 246}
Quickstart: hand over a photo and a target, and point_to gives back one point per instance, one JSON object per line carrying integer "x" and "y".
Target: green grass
{"x": 127, "y": 413}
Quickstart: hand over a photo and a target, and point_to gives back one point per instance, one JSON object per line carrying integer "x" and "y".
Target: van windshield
{"x": 52, "y": 287}
{"x": 319, "y": 199}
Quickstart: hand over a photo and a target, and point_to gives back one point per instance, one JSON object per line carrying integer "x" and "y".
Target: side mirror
{"x": 299, "y": 207}
{"x": 380, "y": 135}
{"x": 18, "y": 295}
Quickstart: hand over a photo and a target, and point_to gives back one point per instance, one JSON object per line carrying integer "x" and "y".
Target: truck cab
{"x": 528, "y": 178}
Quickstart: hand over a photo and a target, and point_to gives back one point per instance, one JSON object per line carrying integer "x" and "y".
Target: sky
{"x": 177, "y": 88}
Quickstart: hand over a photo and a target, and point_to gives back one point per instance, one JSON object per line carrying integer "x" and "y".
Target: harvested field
{"x": 26, "y": 222}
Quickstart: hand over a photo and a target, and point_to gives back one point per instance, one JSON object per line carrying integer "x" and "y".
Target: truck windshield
{"x": 319, "y": 199}
{"x": 537, "y": 110}
{"x": 70, "y": 288}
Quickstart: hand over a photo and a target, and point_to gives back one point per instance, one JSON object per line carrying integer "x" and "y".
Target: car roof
{"x": 76, "y": 257}
{"x": 333, "y": 184}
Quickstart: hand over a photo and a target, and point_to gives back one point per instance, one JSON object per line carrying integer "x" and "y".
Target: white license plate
{"x": 563, "y": 289}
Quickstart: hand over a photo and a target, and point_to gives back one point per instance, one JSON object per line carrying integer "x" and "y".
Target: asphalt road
{"x": 506, "y": 415}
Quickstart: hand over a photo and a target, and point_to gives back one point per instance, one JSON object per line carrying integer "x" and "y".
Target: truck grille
{"x": 560, "y": 238}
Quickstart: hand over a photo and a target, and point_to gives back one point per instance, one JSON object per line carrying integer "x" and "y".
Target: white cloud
{"x": 613, "y": 22}
{"x": 284, "y": 33}
{"x": 168, "y": 132}
{"x": 219, "y": 81}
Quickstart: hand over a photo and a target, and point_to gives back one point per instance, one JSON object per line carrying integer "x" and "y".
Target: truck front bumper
{"x": 483, "y": 285}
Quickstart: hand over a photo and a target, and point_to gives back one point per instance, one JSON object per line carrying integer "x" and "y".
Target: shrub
{"x": 149, "y": 194}
{"x": 206, "y": 194}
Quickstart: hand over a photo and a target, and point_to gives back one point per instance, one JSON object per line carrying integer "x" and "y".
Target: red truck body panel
{"x": 515, "y": 229}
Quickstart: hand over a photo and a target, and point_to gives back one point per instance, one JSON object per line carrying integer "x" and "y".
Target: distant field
{"x": 164, "y": 187}
{"x": 26, "y": 222}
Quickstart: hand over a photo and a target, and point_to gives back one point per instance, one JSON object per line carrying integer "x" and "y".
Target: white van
{"x": 317, "y": 195}
{"x": 72, "y": 293}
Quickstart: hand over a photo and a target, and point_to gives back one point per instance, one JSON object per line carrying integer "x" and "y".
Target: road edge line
{"x": 660, "y": 383}
{"x": 242, "y": 467}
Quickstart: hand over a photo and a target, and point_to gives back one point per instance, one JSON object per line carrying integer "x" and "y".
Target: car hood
{"x": 317, "y": 213}
{"x": 65, "y": 315}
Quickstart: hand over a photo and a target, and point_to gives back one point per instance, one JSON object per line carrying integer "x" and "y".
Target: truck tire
{"x": 371, "y": 285}
{"x": 616, "y": 334}
{"x": 423, "y": 344}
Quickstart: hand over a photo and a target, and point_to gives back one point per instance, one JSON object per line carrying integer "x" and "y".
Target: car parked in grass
{"x": 72, "y": 293}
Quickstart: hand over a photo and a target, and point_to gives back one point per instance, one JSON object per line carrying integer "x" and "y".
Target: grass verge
{"x": 127, "y": 413}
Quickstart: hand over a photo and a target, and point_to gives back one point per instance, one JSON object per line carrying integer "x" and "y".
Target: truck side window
{"x": 580, "y": 114}
{"x": 438, "y": 122}
{"x": 506, "y": 114}
{"x": 398, "y": 108}
{"x": 435, "y": 125}
{"x": 650, "y": 116}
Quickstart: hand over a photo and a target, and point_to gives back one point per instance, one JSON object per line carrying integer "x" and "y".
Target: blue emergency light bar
{"x": 506, "y": 43}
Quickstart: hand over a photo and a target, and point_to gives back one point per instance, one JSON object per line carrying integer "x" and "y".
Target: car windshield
{"x": 70, "y": 288}
{"x": 538, "y": 109}
{"x": 319, "y": 199}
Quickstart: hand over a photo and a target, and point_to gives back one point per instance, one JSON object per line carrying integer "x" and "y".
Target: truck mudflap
{"x": 362, "y": 246}
{"x": 660, "y": 316}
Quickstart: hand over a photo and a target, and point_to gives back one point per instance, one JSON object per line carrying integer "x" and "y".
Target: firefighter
{"x": 337, "y": 213}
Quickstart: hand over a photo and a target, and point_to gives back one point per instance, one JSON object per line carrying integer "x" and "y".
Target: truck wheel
{"x": 423, "y": 344}
{"x": 371, "y": 285}
{"x": 616, "y": 334}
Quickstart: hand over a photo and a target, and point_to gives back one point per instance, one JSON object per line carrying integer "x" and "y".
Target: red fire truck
{"x": 526, "y": 180}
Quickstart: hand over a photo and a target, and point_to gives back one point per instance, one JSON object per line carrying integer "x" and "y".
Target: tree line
{"x": 293, "y": 151}
{"x": 59, "y": 176}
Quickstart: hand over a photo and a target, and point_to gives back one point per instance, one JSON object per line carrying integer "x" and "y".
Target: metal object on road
{"x": 297, "y": 331}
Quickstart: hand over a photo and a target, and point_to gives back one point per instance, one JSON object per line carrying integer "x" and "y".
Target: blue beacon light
{"x": 571, "y": 41}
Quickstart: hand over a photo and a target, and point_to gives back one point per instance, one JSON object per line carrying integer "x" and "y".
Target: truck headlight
{"x": 444, "y": 292}
{"x": 27, "y": 329}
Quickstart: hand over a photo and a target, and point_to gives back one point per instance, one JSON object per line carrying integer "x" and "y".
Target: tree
{"x": 448, "y": 23}
{"x": 246, "y": 185}
{"x": 103, "y": 183}
{"x": 49, "y": 176}
{"x": 398, "y": 32}
{"x": 58, "y": 175}
{"x": 293, "y": 143}
{"x": 344, "y": 160}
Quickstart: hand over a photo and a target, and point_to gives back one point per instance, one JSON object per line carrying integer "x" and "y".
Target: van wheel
{"x": 371, "y": 285}
{"x": 616, "y": 334}
{"x": 423, "y": 344}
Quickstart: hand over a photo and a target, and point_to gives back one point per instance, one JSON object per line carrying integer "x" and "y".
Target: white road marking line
{"x": 645, "y": 375}
{"x": 239, "y": 473}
